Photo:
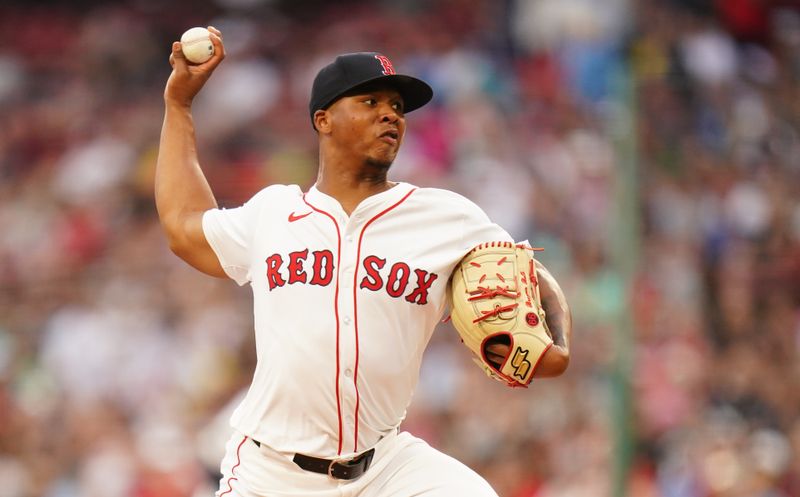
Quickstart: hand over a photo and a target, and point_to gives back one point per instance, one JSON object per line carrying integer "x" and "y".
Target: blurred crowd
{"x": 119, "y": 364}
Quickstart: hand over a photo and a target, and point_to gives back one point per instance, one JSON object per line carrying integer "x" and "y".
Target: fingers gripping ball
{"x": 196, "y": 45}
{"x": 494, "y": 299}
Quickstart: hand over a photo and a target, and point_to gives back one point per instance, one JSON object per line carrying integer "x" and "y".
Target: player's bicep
{"x": 193, "y": 247}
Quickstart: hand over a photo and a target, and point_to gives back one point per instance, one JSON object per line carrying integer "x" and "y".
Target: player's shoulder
{"x": 272, "y": 193}
{"x": 441, "y": 195}
{"x": 447, "y": 199}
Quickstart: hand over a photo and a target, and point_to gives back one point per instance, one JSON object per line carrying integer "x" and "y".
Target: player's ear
{"x": 322, "y": 121}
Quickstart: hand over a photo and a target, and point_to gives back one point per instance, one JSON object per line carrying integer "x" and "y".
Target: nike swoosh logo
{"x": 293, "y": 217}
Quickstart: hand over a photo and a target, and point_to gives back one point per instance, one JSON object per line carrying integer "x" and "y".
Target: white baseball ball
{"x": 196, "y": 45}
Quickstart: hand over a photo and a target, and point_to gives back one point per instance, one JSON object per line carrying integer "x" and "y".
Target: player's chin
{"x": 381, "y": 161}
{"x": 386, "y": 151}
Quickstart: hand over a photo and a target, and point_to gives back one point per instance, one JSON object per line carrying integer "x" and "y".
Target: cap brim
{"x": 415, "y": 92}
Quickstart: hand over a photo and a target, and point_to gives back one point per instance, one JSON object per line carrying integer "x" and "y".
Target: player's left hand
{"x": 558, "y": 319}
{"x": 496, "y": 353}
{"x": 495, "y": 308}
{"x": 511, "y": 313}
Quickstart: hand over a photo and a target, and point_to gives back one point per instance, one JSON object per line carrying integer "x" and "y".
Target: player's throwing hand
{"x": 187, "y": 79}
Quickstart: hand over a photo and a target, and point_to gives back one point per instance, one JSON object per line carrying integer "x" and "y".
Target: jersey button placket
{"x": 347, "y": 277}
{"x": 347, "y": 342}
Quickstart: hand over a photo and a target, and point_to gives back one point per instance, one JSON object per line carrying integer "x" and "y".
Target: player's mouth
{"x": 391, "y": 136}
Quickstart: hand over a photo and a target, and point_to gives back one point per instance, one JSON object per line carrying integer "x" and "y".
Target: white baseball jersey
{"x": 344, "y": 306}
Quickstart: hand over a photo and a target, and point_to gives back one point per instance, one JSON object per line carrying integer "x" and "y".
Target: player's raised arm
{"x": 181, "y": 190}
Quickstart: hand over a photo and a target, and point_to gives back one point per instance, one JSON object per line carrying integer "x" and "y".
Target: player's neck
{"x": 351, "y": 186}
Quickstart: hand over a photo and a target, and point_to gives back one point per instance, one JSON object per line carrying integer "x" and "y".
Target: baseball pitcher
{"x": 349, "y": 280}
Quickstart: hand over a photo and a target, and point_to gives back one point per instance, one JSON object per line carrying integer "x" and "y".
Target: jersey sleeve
{"x": 477, "y": 228}
{"x": 230, "y": 232}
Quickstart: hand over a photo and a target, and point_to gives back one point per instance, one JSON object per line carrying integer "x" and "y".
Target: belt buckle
{"x": 341, "y": 460}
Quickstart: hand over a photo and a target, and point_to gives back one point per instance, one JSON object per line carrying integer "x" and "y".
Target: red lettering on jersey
{"x": 296, "y": 272}
{"x": 274, "y": 263}
{"x": 323, "y": 268}
{"x": 388, "y": 68}
{"x": 372, "y": 281}
{"x": 424, "y": 282}
{"x": 395, "y": 283}
{"x": 398, "y": 279}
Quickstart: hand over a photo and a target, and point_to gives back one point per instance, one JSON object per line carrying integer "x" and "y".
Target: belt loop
{"x": 368, "y": 459}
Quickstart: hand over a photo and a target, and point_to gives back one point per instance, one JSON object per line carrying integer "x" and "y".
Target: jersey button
{"x": 346, "y": 320}
{"x": 349, "y": 238}
{"x": 348, "y": 372}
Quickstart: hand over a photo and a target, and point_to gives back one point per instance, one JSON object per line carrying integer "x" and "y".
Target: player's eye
{"x": 398, "y": 106}
{"x": 371, "y": 102}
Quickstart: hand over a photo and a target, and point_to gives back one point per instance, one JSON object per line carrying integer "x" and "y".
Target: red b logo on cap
{"x": 388, "y": 68}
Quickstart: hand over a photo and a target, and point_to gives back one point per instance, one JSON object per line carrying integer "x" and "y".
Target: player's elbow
{"x": 176, "y": 239}
{"x": 554, "y": 363}
{"x": 178, "y": 247}
{"x": 186, "y": 240}
{"x": 178, "y": 231}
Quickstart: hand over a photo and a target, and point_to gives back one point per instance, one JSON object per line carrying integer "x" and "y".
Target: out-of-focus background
{"x": 651, "y": 147}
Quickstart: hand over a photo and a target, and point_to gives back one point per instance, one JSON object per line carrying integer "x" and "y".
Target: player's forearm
{"x": 181, "y": 189}
{"x": 559, "y": 319}
{"x": 556, "y": 308}
{"x": 559, "y": 323}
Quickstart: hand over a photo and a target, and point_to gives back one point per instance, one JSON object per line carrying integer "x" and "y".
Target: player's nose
{"x": 389, "y": 114}
{"x": 388, "y": 110}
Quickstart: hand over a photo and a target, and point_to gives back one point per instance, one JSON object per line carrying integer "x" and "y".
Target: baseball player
{"x": 349, "y": 280}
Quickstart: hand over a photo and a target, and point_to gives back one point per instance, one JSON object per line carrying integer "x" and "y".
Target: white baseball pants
{"x": 403, "y": 466}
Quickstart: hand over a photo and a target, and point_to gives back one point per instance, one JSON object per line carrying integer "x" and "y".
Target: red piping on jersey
{"x": 355, "y": 302}
{"x": 336, "y": 313}
{"x": 238, "y": 462}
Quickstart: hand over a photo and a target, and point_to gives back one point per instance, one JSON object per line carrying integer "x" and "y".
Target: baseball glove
{"x": 494, "y": 299}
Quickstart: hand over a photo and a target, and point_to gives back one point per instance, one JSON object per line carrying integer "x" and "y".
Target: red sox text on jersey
{"x": 295, "y": 267}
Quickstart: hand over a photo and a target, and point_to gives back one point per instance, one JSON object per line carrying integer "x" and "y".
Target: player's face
{"x": 370, "y": 124}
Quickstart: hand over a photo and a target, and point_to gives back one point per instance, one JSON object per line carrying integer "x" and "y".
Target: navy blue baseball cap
{"x": 354, "y": 70}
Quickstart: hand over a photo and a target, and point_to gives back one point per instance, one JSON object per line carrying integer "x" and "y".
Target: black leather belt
{"x": 340, "y": 469}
